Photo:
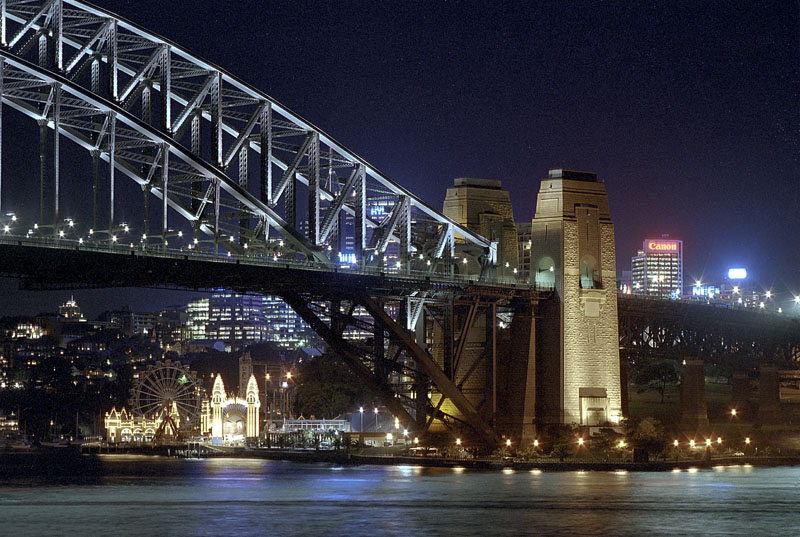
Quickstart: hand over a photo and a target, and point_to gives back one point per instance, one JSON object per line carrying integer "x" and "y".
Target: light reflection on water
{"x": 152, "y": 496}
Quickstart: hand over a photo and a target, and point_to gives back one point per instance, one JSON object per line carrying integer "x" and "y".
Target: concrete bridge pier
{"x": 740, "y": 393}
{"x": 694, "y": 415}
{"x": 769, "y": 396}
{"x": 516, "y": 378}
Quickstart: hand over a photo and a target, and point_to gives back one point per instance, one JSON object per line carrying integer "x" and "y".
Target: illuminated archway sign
{"x": 221, "y": 407}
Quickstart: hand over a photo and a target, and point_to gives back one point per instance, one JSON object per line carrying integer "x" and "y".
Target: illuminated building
{"x": 227, "y": 316}
{"x": 657, "y": 269}
{"x": 70, "y": 311}
{"x": 196, "y": 319}
{"x": 122, "y": 426}
{"x": 285, "y": 328}
{"x": 231, "y": 419}
{"x": 234, "y": 317}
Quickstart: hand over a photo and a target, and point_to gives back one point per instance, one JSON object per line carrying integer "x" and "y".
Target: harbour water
{"x": 149, "y": 496}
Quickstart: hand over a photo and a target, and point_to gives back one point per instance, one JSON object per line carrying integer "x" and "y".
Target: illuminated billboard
{"x": 661, "y": 246}
{"x": 737, "y": 274}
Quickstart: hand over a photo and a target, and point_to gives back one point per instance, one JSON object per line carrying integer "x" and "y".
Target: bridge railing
{"x": 254, "y": 259}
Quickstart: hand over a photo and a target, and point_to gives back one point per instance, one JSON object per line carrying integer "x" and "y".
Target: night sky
{"x": 687, "y": 110}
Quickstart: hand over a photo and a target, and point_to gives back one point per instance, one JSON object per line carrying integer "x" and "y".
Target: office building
{"x": 657, "y": 269}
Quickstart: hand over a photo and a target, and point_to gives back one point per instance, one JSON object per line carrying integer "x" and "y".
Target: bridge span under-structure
{"x": 743, "y": 340}
{"x": 198, "y": 180}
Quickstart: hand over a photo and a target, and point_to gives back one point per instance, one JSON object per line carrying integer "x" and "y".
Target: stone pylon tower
{"x": 572, "y": 251}
{"x": 217, "y": 399}
{"x": 253, "y": 404}
{"x": 481, "y": 205}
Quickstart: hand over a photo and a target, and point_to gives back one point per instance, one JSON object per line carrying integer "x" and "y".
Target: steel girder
{"x": 680, "y": 329}
{"x": 410, "y": 382}
{"x": 117, "y": 136}
{"x": 104, "y": 54}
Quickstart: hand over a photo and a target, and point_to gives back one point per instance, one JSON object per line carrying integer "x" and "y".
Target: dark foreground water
{"x": 217, "y": 497}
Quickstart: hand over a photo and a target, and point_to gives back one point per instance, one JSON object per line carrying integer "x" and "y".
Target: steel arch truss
{"x": 272, "y": 181}
{"x": 420, "y": 389}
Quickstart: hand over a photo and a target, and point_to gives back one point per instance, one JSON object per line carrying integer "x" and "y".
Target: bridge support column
{"x": 2, "y": 65}
{"x": 623, "y": 385}
{"x": 42, "y": 170}
{"x": 694, "y": 416}
{"x": 769, "y": 395}
{"x": 740, "y": 392}
{"x": 516, "y": 378}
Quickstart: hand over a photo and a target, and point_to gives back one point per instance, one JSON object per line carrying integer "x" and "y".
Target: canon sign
{"x": 662, "y": 246}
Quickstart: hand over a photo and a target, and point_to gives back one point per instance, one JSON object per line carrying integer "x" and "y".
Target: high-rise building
{"x": 234, "y": 317}
{"x": 196, "y": 319}
{"x": 286, "y": 328}
{"x": 226, "y": 316}
{"x": 657, "y": 269}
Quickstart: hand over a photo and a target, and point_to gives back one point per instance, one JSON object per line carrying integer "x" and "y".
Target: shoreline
{"x": 20, "y": 459}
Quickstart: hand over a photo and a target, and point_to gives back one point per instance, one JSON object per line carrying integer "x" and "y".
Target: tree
{"x": 327, "y": 387}
{"x": 657, "y": 376}
{"x": 606, "y": 440}
{"x": 646, "y": 434}
{"x": 563, "y": 438}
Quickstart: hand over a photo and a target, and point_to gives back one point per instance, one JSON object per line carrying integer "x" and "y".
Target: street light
{"x": 376, "y": 418}
{"x": 361, "y": 411}
{"x": 458, "y": 442}
{"x": 675, "y": 443}
{"x": 508, "y": 443}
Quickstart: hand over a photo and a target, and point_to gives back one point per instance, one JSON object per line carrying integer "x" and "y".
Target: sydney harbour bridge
{"x": 157, "y": 168}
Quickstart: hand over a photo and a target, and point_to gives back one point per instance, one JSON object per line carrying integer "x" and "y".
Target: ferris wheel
{"x": 164, "y": 384}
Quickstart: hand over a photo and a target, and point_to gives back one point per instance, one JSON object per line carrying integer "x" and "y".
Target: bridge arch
{"x": 271, "y": 153}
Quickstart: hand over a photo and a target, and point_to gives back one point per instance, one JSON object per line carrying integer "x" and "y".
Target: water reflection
{"x": 153, "y": 496}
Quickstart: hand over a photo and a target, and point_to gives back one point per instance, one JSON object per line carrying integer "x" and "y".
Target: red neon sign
{"x": 662, "y": 246}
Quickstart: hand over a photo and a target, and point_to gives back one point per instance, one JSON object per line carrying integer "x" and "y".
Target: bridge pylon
{"x": 572, "y": 251}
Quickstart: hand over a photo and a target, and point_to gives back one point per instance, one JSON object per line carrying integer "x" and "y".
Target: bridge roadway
{"x": 655, "y": 328}
{"x": 48, "y": 263}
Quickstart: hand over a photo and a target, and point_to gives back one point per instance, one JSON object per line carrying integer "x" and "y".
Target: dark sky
{"x": 689, "y": 111}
